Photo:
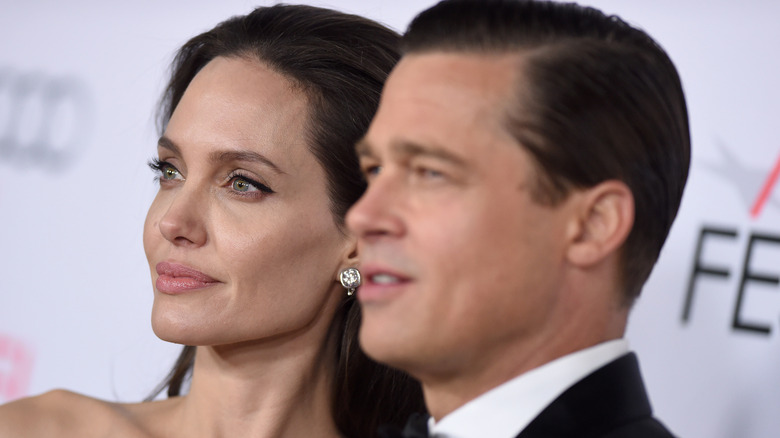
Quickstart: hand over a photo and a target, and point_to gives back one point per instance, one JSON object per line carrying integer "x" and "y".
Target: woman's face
{"x": 240, "y": 239}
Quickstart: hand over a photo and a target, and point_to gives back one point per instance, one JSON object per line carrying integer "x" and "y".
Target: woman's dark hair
{"x": 340, "y": 61}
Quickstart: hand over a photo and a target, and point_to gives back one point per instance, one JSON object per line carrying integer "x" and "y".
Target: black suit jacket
{"x": 611, "y": 402}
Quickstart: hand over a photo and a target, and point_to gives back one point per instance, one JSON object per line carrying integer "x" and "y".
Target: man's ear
{"x": 602, "y": 221}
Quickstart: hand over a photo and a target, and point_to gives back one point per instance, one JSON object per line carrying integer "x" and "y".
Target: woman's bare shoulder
{"x": 60, "y": 413}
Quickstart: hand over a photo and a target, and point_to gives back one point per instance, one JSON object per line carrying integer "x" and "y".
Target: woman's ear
{"x": 350, "y": 258}
{"x": 602, "y": 222}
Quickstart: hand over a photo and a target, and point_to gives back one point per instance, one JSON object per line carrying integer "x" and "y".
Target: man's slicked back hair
{"x": 596, "y": 100}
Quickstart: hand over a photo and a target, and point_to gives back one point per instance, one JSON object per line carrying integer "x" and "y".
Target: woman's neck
{"x": 261, "y": 391}
{"x": 269, "y": 388}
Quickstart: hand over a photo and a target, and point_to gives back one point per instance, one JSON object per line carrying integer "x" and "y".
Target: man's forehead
{"x": 437, "y": 96}
{"x": 470, "y": 72}
{"x": 447, "y": 106}
{"x": 449, "y": 87}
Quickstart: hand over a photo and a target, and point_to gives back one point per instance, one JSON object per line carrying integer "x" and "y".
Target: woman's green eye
{"x": 241, "y": 185}
{"x": 247, "y": 186}
{"x": 170, "y": 173}
{"x": 164, "y": 171}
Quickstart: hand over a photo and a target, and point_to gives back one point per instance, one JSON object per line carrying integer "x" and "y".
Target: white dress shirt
{"x": 507, "y": 409}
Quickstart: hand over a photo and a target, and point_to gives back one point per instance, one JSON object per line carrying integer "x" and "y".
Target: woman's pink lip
{"x": 174, "y": 278}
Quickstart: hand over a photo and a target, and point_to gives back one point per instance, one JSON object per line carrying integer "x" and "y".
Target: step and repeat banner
{"x": 78, "y": 86}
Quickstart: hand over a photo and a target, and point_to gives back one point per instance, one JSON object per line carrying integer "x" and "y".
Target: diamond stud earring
{"x": 350, "y": 279}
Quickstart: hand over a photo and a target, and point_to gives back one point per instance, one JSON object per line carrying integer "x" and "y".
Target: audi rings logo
{"x": 45, "y": 121}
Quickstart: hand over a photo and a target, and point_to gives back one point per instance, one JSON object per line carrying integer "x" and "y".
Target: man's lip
{"x": 372, "y": 292}
{"x": 369, "y": 271}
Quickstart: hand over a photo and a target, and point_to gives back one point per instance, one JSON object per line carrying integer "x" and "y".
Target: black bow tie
{"x": 416, "y": 427}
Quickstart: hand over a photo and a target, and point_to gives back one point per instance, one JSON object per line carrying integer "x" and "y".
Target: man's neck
{"x": 512, "y": 406}
{"x": 447, "y": 391}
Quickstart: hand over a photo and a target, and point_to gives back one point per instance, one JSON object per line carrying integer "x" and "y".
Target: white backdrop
{"x": 75, "y": 291}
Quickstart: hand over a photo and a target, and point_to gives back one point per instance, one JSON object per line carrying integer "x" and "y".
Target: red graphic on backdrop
{"x": 755, "y": 188}
{"x": 16, "y": 362}
{"x": 766, "y": 190}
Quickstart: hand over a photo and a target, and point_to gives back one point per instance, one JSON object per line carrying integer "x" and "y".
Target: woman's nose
{"x": 183, "y": 222}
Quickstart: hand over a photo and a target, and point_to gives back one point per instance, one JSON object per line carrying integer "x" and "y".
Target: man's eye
{"x": 430, "y": 173}
{"x": 371, "y": 171}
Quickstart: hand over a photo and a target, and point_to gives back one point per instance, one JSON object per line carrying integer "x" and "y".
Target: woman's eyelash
{"x": 158, "y": 166}
{"x": 259, "y": 186}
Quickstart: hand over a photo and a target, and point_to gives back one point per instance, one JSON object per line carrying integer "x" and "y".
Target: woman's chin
{"x": 178, "y": 330}
{"x": 176, "y": 335}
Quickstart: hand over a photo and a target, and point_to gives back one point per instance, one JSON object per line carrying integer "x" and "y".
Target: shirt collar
{"x": 507, "y": 409}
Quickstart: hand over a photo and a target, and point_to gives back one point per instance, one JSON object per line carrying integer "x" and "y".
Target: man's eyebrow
{"x": 224, "y": 156}
{"x": 407, "y": 150}
{"x": 363, "y": 148}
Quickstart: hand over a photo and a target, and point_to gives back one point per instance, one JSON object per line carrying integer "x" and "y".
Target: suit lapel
{"x": 610, "y": 396}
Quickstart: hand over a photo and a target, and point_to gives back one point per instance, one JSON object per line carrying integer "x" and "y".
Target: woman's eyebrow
{"x": 166, "y": 143}
{"x": 244, "y": 155}
{"x": 225, "y": 155}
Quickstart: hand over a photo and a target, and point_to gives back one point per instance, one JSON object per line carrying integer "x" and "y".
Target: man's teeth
{"x": 384, "y": 279}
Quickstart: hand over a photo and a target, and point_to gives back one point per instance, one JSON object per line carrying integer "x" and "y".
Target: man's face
{"x": 459, "y": 262}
